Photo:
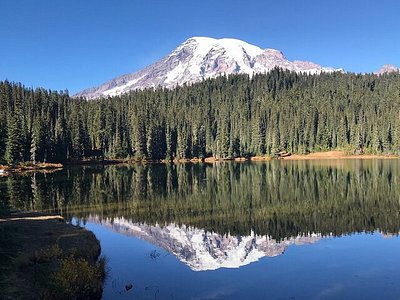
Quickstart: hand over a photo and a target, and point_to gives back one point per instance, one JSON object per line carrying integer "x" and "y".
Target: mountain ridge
{"x": 199, "y": 58}
{"x": 387, "y": 68}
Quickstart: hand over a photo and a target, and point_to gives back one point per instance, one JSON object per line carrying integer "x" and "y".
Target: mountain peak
{"x": 227, "y": 43}
{"x": 387, "y": 69}
{"x": 200, "y": 39}
{"x": 199, "y": 58}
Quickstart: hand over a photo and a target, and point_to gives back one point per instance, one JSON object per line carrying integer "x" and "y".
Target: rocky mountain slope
{"x": 387, "y": 69}
{"x": 199, "y": 58}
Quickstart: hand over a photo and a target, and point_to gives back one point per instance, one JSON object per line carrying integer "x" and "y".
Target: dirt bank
{"x": 42, "y": 257}
{"x": 335, "y": 155}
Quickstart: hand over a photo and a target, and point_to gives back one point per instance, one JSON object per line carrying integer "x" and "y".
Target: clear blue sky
{"x": 75, "y": 44}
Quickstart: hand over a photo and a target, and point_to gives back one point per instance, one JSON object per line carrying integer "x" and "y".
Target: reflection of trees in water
{"x": 280, "y": 199}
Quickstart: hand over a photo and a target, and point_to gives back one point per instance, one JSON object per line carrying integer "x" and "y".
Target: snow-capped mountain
{"x": 387, "y": 69}
{"x": 199, "y": 58}
{"x": 202, "y": 250}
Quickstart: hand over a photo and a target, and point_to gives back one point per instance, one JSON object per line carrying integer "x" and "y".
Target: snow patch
{"x": 122, "y": 88}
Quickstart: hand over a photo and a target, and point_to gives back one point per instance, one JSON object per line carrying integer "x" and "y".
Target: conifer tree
{"x": 14, "y": 144}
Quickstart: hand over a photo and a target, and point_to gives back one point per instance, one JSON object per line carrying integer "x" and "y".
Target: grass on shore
{"x": 44, "y": 258}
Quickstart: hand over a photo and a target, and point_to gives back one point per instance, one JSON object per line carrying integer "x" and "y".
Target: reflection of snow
{"x": 202, "y": 250}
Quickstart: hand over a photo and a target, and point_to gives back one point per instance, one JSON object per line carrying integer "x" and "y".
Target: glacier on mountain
{"x": 199, "y": 58}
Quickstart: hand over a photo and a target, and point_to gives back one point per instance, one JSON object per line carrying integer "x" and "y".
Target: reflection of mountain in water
{"x": 202, "y": 250}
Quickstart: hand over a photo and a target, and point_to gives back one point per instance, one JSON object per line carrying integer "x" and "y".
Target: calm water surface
{"x": 273, "y": 230}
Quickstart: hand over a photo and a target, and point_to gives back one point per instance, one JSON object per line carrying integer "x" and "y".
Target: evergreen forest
{"x": 226, "y": 117}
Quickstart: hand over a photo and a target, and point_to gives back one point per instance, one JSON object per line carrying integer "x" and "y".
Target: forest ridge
{"x": 225, "y": 117}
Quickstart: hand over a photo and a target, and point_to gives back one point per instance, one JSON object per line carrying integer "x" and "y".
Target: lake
{"x": 265, "y": 230}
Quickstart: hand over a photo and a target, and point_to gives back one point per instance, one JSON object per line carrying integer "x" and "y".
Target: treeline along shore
{"x": 226, "y": 117}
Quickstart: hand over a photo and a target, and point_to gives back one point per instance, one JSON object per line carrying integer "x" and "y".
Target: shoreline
{"x": 29, "y": 168}
{"x": 38, "y": 248}
{"x": 337, "y": 155}
{"x": 53, "y": 167}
